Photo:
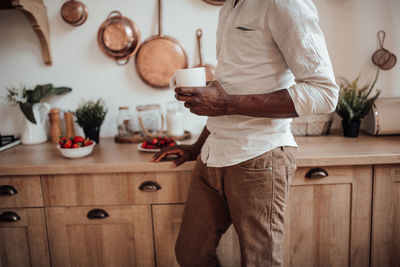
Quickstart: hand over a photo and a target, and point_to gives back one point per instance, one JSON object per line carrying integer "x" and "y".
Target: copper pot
{"x": 119, "y": 37}
{"x": 74, "y": 12}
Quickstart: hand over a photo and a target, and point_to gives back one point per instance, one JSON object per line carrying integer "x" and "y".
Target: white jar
{"x": 174, "y": 119}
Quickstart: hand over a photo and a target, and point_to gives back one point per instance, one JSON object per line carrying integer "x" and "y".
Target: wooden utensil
{"x": 119, "y": 37}
{"x": 69, "y": 124}
{"x": 55, "y": 125}
{"x": 215, "y": 2}
{"x": 382, "y": 57}
{"x": 159, "y": 56}
{"x": 74, "y": 12}
{"x": 210, "y": 69}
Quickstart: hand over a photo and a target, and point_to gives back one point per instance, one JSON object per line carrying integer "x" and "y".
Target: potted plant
{"x": 354, "y": 103}
{"x": 35, "y": 112}
{"x": 90, "y": 115}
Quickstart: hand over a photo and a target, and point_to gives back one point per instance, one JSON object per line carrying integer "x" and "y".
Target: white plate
{"x": 140, "y": 148}
{"x": 153, "y": 150}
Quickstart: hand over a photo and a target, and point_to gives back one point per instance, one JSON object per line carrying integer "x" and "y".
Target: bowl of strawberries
{"x": 75, "y": 147}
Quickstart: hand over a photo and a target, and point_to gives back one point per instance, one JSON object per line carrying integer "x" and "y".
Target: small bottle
{"x": 174, "y": 119}
{"x": 124, "y": 121}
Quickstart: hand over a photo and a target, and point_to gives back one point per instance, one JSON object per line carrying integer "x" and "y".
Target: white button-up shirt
{"x": 264, "y": 46}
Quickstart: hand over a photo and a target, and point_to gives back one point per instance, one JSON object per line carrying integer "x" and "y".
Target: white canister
{"x": 174, "y": 119}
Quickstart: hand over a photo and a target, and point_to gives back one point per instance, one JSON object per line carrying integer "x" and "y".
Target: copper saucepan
{"x": 74, "y": 12}
{"x": 210, "y": 69}
{"x": 119, "y": 37}
{"x": 159, "y": 57}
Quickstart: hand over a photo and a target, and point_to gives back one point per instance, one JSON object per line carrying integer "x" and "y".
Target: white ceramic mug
{"x": 188, "y": 78}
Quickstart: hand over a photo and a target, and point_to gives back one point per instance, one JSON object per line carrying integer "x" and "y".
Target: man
{"x": 272, "y": 65}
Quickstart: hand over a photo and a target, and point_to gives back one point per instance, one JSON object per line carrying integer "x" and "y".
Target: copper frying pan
{"x": 159, "y": 57}
{"x": 210, "y": 69}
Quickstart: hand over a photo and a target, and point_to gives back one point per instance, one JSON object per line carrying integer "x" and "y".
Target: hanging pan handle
{"x": 160, "y": 7}
{"x": 115, "y": 13}
{"x": 381, "y": 38}
{"x": 199, "y": 34}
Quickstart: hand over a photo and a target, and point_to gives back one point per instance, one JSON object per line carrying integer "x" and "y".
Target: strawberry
{"x": 79, "y": 139}
{"x": 87, "y": 142}
{"x": 155, "y": 141}
{"x": 75, "y": 145}
{"x": 144, "y": 144}
{"x": 62, "y": 141}
{"x": 67, "y": 144}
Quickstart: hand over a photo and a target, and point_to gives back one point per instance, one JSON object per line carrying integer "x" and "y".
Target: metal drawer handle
{"x": 97, "y": 214}
{"x": 149, "y": 186}
{"x": 316, "y": 173}
{"x": 9, "y": 216}
{"x": 8, "y": 190}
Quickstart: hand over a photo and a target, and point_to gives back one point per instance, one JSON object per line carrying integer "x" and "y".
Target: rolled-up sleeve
{"x": 295, "y": 30}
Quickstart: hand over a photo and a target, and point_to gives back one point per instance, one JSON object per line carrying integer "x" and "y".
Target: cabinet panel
{"x": 122, "y": 237}
{"x": 115, "y": 189}
{"x": 328, "y": 219}
{"x": 386, "y": 217}
{"x": 167, "y": 221}
{"x": 20, "y": 192}
{"x": 23, "y": 242}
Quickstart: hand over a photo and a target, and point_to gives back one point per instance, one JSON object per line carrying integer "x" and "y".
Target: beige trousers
{"x": 252, "y": 195}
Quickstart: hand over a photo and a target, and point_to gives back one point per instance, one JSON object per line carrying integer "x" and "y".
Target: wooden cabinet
{"x": 100, "y": 236}
{"x": 23, "y": 239}
{"x": 385, "y": 247}
{"x": 328, "y": 219}
{"x": 327, "y": 222}
{"x": 167, "y": 221}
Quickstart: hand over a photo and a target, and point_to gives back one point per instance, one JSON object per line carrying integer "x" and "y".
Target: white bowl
{"x": 74, "y": 153}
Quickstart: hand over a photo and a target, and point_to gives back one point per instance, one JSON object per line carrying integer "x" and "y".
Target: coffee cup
{"x": 193, "y": 77}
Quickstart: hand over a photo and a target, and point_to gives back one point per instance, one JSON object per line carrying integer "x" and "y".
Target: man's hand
{"x": 185, "y": 153}
{"x": 210, "y": 100}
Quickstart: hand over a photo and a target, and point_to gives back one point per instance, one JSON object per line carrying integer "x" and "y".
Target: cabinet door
{"x": 23, "y": 238}
{"x": 167, "y": 221}
{"x": 100, "y": 236}
{"x": 328, "y": 219}
{"x": 385, "y": 249}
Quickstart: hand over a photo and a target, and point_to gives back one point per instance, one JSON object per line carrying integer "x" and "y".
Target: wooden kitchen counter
{"x": 110, "y": 157}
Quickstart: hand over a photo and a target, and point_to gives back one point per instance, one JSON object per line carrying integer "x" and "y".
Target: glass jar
{"x": 174, "y": 119}
{"x": 124, "y": 121}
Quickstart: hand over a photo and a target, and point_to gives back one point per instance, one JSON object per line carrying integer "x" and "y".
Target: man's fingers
{"x": 165, "y": 153}
{"x": 183, "y": 97}
{"x": 178, "y": 161}
{"x": 188, "y": 91}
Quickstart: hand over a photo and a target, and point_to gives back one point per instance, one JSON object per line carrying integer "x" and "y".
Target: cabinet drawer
{"x": 115, "y": 189}
{"x": 19, "y": 191}
{"x": 324, "y": 175}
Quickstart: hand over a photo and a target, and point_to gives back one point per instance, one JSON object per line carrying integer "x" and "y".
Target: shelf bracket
{"x": 36, "y": 13}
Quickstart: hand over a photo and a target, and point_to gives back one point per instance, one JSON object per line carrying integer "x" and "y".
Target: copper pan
{"x": 159, "y": 57}
{"x": 119, "y": 37}
{"x": 210, "y": 69}
{"x": 215, "y": 2}
{"x": 74, "y": 12}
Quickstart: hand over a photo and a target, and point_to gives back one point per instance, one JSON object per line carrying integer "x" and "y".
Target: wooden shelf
{"x": 36, "y": 12}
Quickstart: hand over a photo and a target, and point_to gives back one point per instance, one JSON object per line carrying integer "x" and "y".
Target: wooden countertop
{"x": 111, "y": 157}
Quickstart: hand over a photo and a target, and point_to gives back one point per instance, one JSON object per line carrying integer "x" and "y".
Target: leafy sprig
{"x": 354, "y": 102}
{"x": 91, "y": 114}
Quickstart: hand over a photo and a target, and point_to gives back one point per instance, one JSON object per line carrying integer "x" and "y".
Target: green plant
{"x": 354, "y": 103}
{"x": 90, "y": 114}
{"x": 26, "y": 98}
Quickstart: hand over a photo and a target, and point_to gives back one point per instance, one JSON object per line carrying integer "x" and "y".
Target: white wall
{"x": 350, "y": 28}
